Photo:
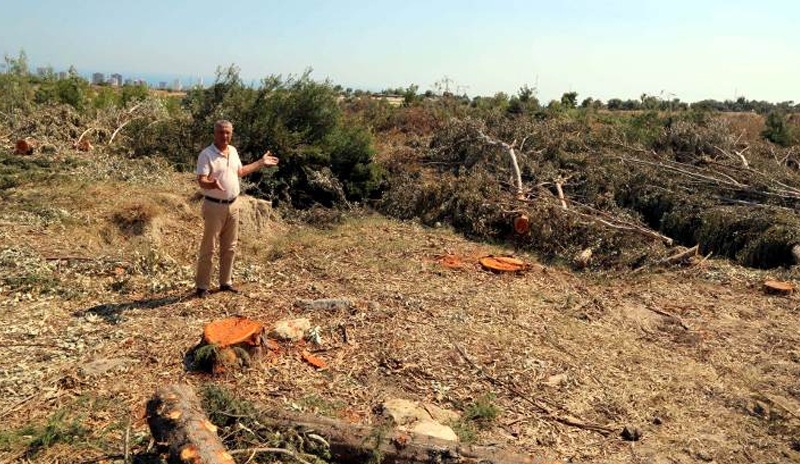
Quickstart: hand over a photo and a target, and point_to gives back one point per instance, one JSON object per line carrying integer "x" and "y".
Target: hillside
{"x": 96, "y": 311}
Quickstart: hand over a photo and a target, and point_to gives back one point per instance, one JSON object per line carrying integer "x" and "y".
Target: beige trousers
{"x": 221, "y": 222}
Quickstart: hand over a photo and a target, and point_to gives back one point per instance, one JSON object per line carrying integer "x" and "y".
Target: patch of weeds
{"x": 133, "y": 219}
{"x": 319, "y": 405}
{"x": 222, "y": 407}
{"x": 16, "y": 170}
{"x": 477, "y": 415}
{"x": 482, "y": 411}
{"x": 60, "y": 428}
{"x": 466, "y": 431}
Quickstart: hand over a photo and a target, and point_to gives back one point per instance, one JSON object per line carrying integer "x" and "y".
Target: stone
{"x": 434, "y": 429}
{"x": 291, "y": 329}
{"x": 102, "y": 366}
{"x": 556, "y": 380}
{"x": 404, "y": 412}
{"x": 442, "y": 415}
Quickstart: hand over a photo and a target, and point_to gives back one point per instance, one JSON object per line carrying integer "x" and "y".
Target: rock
{"x": 434, "y": 429}
{"x": 291, "y": 329}
{"x": 325, "y": 304}
{"x": 404, "y": 412}
{"x": 441, "y": 415}
{"x": 631, "y": 434}
{"x": 583, "y": 258}
{"x": 556, "y": 380}
{"x": 102, "y": 366}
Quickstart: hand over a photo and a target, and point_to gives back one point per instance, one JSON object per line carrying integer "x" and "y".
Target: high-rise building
{"x": 98, "y": 78}
{"x": 176, "y": 85}
{"x": 116, "y": 80}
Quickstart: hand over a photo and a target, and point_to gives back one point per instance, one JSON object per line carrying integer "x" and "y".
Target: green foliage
{"x": 569, "y": 100}
{"x": 16, "y": 89}
{"x": 223, "y": 407}
{"x": 59, "y": 428}
{"x": 482, "y": 411}
{"x": 323, "y": 158}
{"x": 133, "y": 93}
{"x": 777, "y": 129}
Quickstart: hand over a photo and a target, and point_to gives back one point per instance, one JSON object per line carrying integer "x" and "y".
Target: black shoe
{"x": 228, "y": 288}
{"x": 201, "y": 293}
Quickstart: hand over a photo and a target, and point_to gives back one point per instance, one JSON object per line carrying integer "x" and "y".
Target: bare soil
{"x": 96, "y": 312}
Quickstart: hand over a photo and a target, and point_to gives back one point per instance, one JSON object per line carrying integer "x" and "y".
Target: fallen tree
{"x": 183, "y": 430}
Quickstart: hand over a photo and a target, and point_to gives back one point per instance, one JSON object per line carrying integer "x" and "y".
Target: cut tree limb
{"x": 356, "y": 444}
{"x": 509, "y": 148}
{"x": 178, "y": 423}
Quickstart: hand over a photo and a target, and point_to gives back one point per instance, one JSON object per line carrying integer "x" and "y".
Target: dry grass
{"x": 600, "y": 347}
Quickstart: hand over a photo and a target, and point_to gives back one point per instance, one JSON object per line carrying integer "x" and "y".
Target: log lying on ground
{"x": 356, "y": 444}
{"x": 179, "y": 424}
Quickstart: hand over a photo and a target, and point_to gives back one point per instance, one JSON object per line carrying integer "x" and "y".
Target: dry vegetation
{"x": 97, "y": 259}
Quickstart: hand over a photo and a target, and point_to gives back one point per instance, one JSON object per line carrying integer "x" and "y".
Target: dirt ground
{"x": 95, "y": 313}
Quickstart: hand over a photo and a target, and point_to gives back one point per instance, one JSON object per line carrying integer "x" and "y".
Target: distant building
{"x": 116, "y": 80}
{"x": 98, "y": 78}
{"x": 176, "y": 85}
{"x": 129, "y": 81}
{"x": 162, "y": 85}
{"x": 44, "y": 71}
{"x": 62, "y": 75}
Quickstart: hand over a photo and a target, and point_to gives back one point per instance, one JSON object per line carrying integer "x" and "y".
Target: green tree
{"x": 569, "y": 99}
{"x": 777, "y": 129}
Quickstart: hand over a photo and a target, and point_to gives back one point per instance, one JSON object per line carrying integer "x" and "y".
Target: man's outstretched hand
{"x": 268, "y": 160}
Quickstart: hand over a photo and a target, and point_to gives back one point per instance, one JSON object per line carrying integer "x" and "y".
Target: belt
{"x": 217, "y": 200}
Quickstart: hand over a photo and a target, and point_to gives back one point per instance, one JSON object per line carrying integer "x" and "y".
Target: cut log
{"x": 178, "y": 423}
{"x": 356, "y": 444}
{"x": 180, "y": 427}
{"x": 522, "y": 224}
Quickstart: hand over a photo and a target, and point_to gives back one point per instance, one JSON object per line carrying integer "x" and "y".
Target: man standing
{"x": 218, "y": 171}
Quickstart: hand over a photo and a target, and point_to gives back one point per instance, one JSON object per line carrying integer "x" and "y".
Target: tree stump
{"x": 775, "y": 287}
{"x": 503, "y": 264}
{"x": 228, "y": 344}
{"x": 180, "y": 426}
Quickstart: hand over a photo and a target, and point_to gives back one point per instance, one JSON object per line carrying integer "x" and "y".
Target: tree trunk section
{"x": 179, "y": 424}
{"x": 356, "y": 444}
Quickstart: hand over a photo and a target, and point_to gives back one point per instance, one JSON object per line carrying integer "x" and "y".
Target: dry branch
{"x": 509, "y": 148}
{"x": 356, "y": 444}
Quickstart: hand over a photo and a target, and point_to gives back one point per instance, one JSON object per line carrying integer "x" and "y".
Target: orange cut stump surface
{"x": 503, "y": 264}
{"x": 232, "y": 331}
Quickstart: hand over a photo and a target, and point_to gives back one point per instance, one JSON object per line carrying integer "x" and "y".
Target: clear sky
{"x": 604, "y": 49}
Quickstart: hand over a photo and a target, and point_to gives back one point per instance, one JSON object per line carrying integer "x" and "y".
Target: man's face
{"x": 223, "y": 136}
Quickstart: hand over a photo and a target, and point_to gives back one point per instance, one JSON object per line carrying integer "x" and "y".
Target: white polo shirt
{"x": 213, "y": 164}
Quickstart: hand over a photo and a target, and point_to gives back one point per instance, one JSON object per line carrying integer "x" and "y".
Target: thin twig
{"x": 566, "y": 420}
{"x": 674, "y": 317}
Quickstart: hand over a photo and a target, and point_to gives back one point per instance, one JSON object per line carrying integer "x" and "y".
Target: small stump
{"x": 503, "y": 264}
{"x": 776, "y": 287}
{"x": 228, "y": 344}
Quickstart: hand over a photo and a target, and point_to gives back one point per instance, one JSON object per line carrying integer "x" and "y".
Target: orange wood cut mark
{"x": 778, "y": 288}
{"x": 522, "y": 224}
{"x": 24, "y": 147}
{"x": 503, "y": 264}
{"x": 233, "y": 331}
{"x": 313, "y": 360}
{"x": 451, "y": 262}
